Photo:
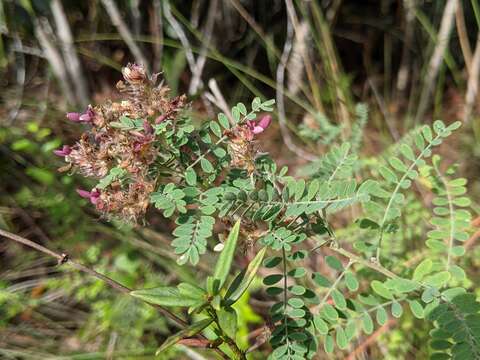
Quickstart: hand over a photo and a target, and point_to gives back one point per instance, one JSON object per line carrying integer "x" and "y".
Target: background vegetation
{"x": 410, "y": 62}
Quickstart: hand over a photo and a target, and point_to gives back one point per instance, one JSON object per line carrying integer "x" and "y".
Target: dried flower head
{"x": 120, "y": 146}
{"x": 242, "y": 146}
{"x": 134, "y": 74}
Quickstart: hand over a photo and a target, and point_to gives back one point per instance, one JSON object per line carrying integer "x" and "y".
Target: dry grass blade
{"x": 54, "y": 58}
{"x": 463, "y": 36}
{"x": 157, "y": 31}
{"x": 122, "y": 28}
{"x": 280, "y": 92}
{"x": 217, "y": 98}
{"x": 181, "y": 35}
{"x": 71, "y": 59}
{"x": 473, "y": 78}
{"x": 201, "y": 59}
{"x": 436, "y": 60}
{"x": 403, "y": 71}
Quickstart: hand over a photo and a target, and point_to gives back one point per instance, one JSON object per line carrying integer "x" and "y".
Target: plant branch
{"x": 65, "y": 259}
{"x": 227, "y": 339}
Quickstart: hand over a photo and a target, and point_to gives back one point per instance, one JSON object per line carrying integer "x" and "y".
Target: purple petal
{"x": 94, "y": 196}
{"x": 88, "y": 115}
{"x": 258, "y": 129}
{"x": 73, "y": 116}
{"x": 90, "y": 111}
{"x": 137, "y": 147}
{"x": 85, "y": 117}
{"x": 265, "y": 121}
{"x": 64, "y": 151}
{"x": 84, "y": 193}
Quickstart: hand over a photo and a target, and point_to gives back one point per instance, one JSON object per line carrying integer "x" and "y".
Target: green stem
{"x": 335, "y": 284}
{"x": 370, "y": 264}
{"x": 222, "y": 139}
{"x": 239, "y": 354}
{"x": 451, "y": 215}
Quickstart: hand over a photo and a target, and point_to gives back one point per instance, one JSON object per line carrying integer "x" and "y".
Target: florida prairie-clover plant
{"x": 145, "y": 151}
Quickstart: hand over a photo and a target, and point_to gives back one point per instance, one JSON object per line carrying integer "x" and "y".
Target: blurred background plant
{"x": 410, "y": 61}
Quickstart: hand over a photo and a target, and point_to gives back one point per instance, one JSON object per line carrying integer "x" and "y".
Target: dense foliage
{"x": 216, "y": 171}
{"x": 363, "y": 247}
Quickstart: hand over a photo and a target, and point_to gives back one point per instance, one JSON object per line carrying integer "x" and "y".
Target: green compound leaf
{"x": 223, "y": 120}
{"x": 216, "y": 129}
{"x": 367, "y": 323}
{"x": 334, "y": 263}
{"x": 320, "y": 325}
{"x": 351, "y": 281}
{"x": 397, "y": 309}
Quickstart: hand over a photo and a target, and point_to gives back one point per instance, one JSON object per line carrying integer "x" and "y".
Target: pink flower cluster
{"x": 104, "y": 146}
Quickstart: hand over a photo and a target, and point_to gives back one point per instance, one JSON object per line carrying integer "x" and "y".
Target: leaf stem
{"x": 222, "y": 139}
{"x": 395, "y": 191}
{"x": 451, "y": 215}
{"x": 335, "y": 284}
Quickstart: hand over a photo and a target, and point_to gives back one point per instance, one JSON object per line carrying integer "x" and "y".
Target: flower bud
{"x": 73, "y": 116}
{"x": 84, "y": 193}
